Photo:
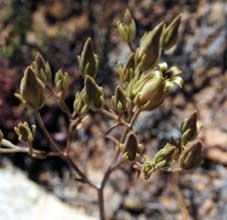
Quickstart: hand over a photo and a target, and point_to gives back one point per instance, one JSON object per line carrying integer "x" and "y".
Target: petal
{"x": 174, "y": 71}
{"x": 177, "y": 80}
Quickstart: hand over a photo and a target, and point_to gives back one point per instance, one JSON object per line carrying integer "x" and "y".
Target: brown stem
{"x": 83, "y": 176}
{"x": 12, "y": 148}
{"x": 101, "y": 205}
{"x": 114, "y": 116}
{"x": 56, "y": 148}
{"x": 114, "y": 164}
{"x": 53, "y": 144}
{"x": 180, "y": 197}
{"x": 113, "y": 127}
{"x": 115, "y": 140}
{"x": 102, "y": 187}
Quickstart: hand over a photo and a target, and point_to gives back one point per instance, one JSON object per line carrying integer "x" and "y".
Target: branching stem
{"x": 65, "y": 157}
{"x": 113, "y": 165}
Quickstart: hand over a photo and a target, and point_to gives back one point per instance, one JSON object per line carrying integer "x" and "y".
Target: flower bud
{"x": 148, "y": 168}
{"x": 189, "y": 128}
{"x": 148, "y": 53}
{"x": 165, "y": 156}
{"x": 24, "y": 132}
{"x": 120, "y": 101}
{"x": 131, "y": 148}
{"x": 79, "y": 105}
{"x": 32, "y": 90}
{"x": 126, "y": 72}
{"x": 127, "y": 28}
{"x": 192, "y": 156}
{"x": 152, "y": 93}
{"x": 170, "y": 34}
{"x": 42, "y": 69}
{"x": 62, "y": 83}
{"x": 93, "y": 98}
{"x": 88, "y": 61}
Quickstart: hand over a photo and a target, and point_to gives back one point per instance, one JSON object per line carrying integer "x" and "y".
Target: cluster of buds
{"x": 42, "y": 69}
{"x": 62, "y": 83}
{"x": 152, "y": 88}
{"x": 32, "y": 90}
{"x": 94, "y": 96}
{"x": 145, "y": 83}
{"x": 189, "y": 129}
{"x": 88, "y": 61}
{"x": 91, "y": 97}
{"x": 131, "y": 149}
{"x": 170, "y": 33}
{"x": 148, "y": 53}
{"x": 37, "y": 80}
{"x": 80, "y": 107}
{"x": 37, "y": 77}
{"x": 181, "y": 154}
{"x": 120, "y": 101}
{"x": 191, "y": 156}
{"x": 24, "y": 132}
{"x": 164, "y": 158}
{"x": 126, "y": 72}
{"x": 127, "y": 28}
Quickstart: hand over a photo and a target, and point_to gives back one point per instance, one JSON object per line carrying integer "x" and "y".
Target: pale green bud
{"x": 24, "y": 132}
{"x": 170, "y": 34}
{"x": 120, "y": 101}
{"x": 93, "y": 98}
{"x": 42, "y": 69}
{"x": 62, "y": 83}
{"x": 165, "y": 156}
{"x": 152, "y": 93}
{"x": 189, "y": 128}
{"x": 148, "y": 168}
{"x": 148, "y": 53}
{"x": 126, "y": 72}
{"x": 127, "y": 28}
{"x": 88, "y": 61}
{"x": 32, "y": 90}
{"x": 191, "y": 156}
{"x": 79, "y": 105}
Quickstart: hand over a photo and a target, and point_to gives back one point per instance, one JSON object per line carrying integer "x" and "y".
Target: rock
{"x": 22, "y": 199}
{"x": 133, "y": 203}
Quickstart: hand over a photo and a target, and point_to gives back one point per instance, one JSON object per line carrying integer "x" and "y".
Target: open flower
{"x": 154, "y": 86}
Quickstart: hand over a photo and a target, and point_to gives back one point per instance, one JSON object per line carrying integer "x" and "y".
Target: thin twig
{"x": 113, "y": 116}
{"x": 53, "y": 144}
{"x": 7, "y": 150}
{"x": 180, "y": 197}
{"x": 65, "y": 157}
{"x": 12, "y": 148}
{"x": 113, "y": 139}
{"x": 114, "y": 164}
{"x": 113, "y": 127}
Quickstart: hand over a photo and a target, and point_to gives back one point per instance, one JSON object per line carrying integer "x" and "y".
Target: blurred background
{"x": 58, "y": 29}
